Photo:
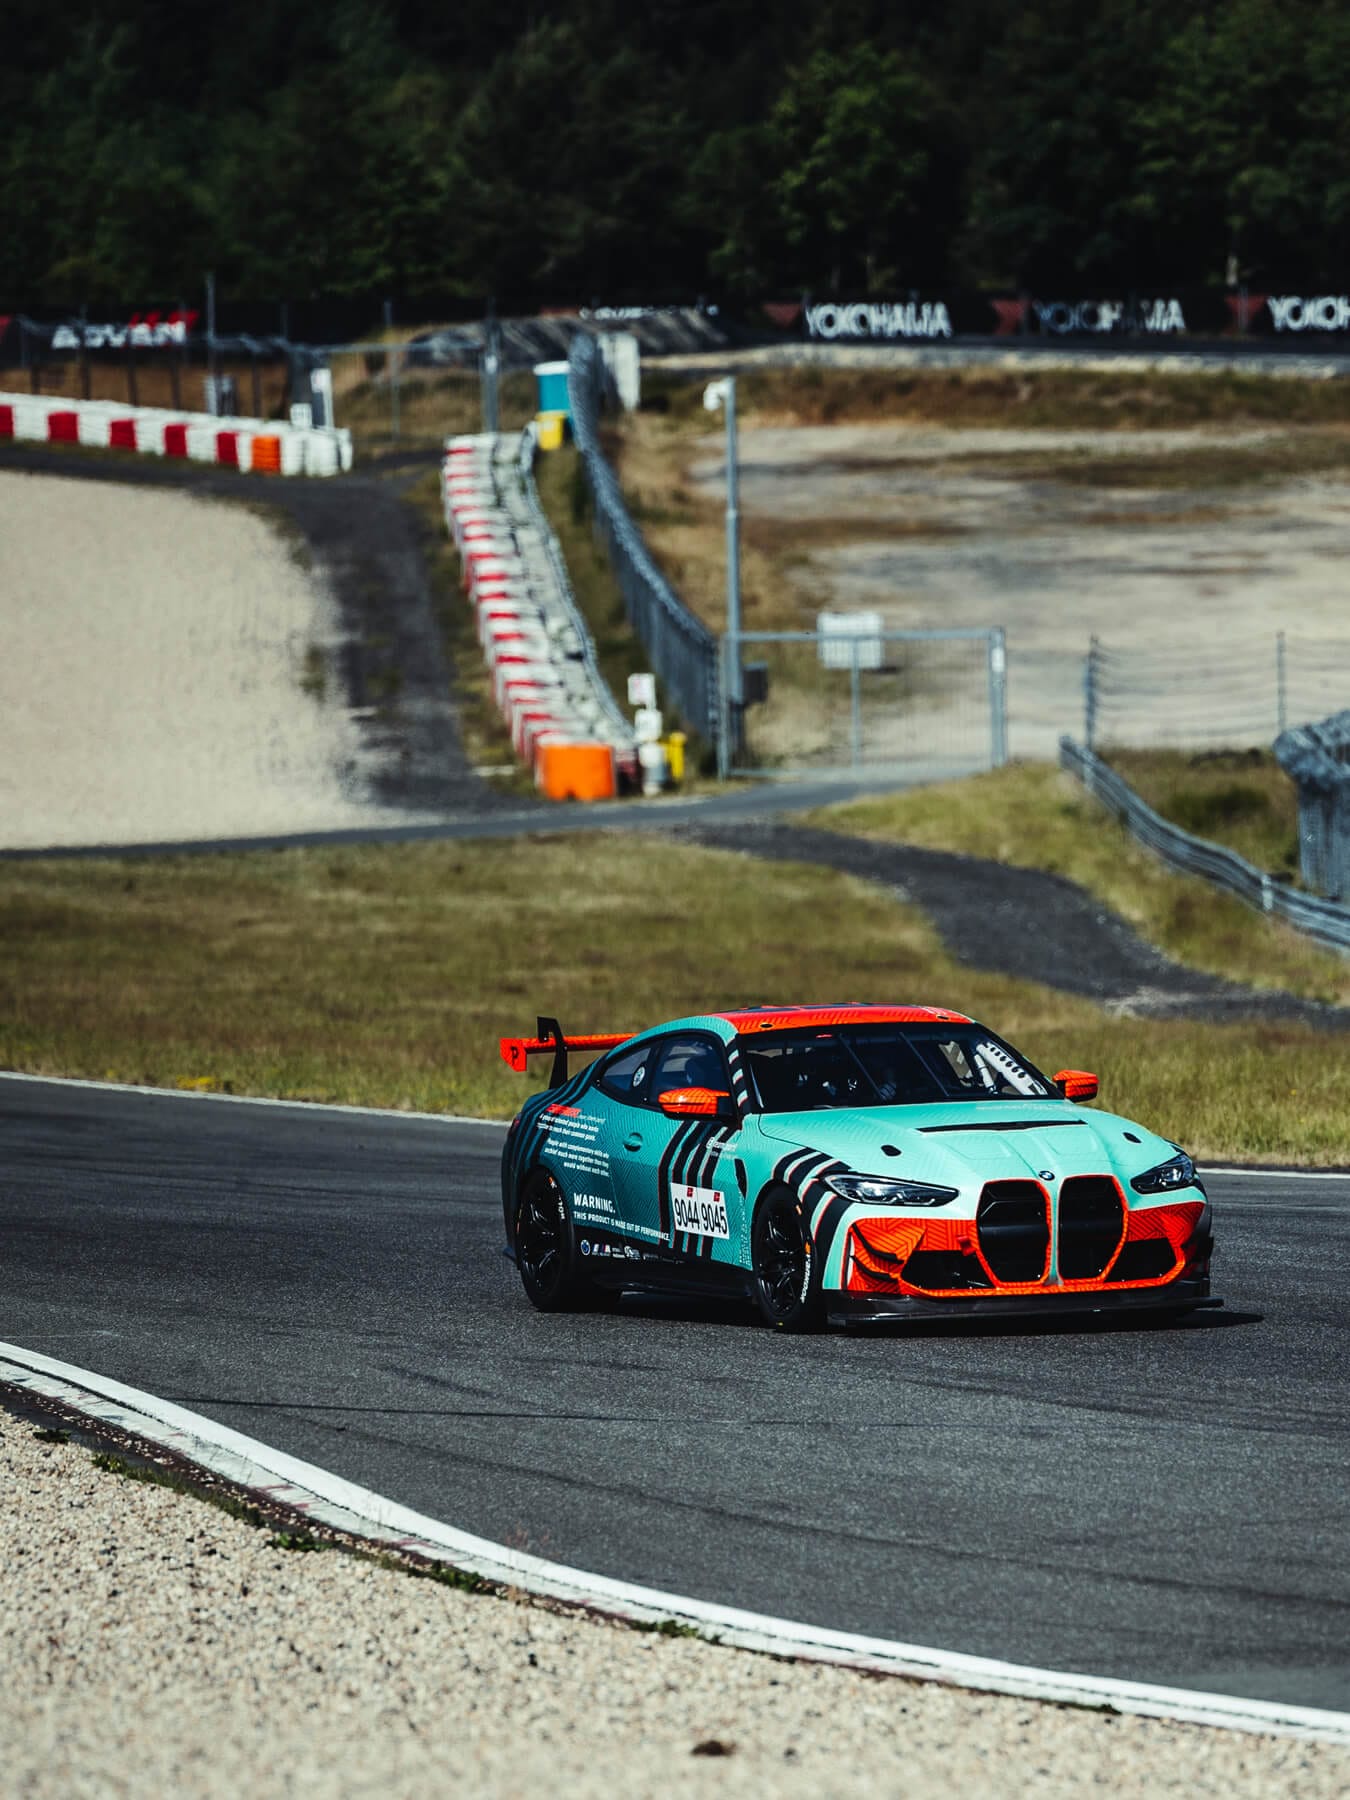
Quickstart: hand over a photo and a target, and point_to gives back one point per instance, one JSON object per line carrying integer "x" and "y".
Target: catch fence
{"x": 680, "y": 647}
{"x": 1215, "y": 694}
{"x": 930, "y": 702}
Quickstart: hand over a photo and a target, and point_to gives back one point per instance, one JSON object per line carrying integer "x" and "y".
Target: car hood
{"x": 974, "y": 1141}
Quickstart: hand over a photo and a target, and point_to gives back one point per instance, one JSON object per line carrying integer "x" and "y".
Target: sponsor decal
{"x": 1243, "y": 308}
{"x": 1324, "y": 312}
{"x": 1009, "y": 316}
{"x": 880, "y": 319}
{"x": 632, "y": 1252}
{"x": 1064, "y": 318}
{"x": 585, "y": 1246}
{"x": 700, "y": 1211}
{"x": 569, "y": 1112}
{"x": 151, "y": 329}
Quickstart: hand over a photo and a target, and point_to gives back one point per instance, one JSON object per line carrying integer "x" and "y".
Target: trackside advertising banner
{"x": 933, "y": 319}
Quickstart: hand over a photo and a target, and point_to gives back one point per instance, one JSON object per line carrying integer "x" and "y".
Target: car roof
{"x": 751, "y": 1019}
{"x": 779, "y": 1018}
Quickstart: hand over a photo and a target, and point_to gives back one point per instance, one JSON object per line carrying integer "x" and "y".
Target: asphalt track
{"x": 1157, "y": 1505}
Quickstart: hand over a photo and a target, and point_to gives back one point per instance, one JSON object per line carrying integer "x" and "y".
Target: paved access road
{"x": 1167, "y": 1506}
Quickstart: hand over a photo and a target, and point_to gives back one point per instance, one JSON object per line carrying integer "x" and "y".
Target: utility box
{"x": 623, "y": 359}
{"x": 551, "y": 378}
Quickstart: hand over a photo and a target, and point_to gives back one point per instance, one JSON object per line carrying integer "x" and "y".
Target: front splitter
{"x": 1176, "y": 1297}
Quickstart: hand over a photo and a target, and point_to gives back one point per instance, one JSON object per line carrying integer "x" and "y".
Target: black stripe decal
{"x": 663, "y": 1176}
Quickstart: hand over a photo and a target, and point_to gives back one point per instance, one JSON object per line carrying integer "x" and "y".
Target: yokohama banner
{"x": 1161, "y": 314}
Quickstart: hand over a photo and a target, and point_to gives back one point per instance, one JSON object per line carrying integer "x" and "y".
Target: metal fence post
{"x": 998, "y": 697}
{"x": 1281, "y": 684}
{"x": 1090, "y": 695}
{"x": 855, "y": 703}
{"x": 728, "y": 650}
{"x": 391, "y": 369}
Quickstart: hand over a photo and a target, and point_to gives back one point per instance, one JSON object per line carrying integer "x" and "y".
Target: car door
{"x": 664, "y": 1169}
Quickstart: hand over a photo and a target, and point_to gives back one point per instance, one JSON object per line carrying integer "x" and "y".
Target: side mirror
{"x": 1076, "y": 1084}
{"x": 696, "y": 1103}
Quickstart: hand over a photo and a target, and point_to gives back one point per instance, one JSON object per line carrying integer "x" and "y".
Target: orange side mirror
{"x": 1076, "y": 1084}
{"x": 694, "y": 1102}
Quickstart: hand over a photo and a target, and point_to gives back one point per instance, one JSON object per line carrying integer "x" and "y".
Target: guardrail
{"x": 682, "y": 650}
{"x": 1323, "y": 920}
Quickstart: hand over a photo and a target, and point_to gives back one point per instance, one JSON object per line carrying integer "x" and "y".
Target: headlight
{"x": 1178, "y": 1173}
{"x": 876, "y": 1190}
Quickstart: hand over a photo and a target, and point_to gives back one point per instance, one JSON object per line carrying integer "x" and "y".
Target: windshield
{"x": 887, "y": 1065}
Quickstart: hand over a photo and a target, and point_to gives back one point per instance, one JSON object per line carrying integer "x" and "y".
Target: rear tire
{"x": 783, "y": 1259}
{"x": 546, "y": 1248}
{"x": 544, "y": 1244}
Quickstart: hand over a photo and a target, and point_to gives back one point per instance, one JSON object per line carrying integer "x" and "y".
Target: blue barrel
{"x": 552, "y": 380}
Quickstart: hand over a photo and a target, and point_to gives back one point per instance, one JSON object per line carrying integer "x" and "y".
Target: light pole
{"x": 723, "y": 394}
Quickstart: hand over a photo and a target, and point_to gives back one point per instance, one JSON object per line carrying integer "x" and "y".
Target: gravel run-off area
{"x": 150, "y": 1643}
{"x": 172, "y": 669}
{"x": 1186, "y": 580}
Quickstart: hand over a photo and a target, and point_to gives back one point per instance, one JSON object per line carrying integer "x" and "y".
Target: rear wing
{"x": 517, "y": 1051}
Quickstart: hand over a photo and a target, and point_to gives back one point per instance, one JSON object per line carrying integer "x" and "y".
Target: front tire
{"x": 783, "y": 1259}
{"x": 545, "y": 1246}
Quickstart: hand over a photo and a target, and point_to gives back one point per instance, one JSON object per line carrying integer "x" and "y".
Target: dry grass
{"x": 1018, "y": 399}
{"x": 383, "y": 975}
{"x": 1031, "y": 815}
{"x": 432, "y": 404}
{"x": 1239, "y": 798}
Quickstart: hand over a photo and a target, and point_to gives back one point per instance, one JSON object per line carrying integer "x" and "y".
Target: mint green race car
{"x": 846, "y": 1163}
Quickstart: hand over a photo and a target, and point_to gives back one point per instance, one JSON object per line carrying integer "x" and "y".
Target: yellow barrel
{"x": 551, "y": 427}
{"x": 674, "y": 748}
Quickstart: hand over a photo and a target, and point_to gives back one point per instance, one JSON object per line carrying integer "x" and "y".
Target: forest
{"x": 541, "y": 154}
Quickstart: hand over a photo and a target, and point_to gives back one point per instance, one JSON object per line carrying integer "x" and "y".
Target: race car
{"x": 843, "y": 1163}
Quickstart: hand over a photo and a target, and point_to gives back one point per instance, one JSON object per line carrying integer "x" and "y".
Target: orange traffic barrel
{"x": 572, "y": 771}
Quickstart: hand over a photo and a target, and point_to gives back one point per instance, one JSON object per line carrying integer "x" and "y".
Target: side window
{"x": 623, "y": 1076}
{"x": 686, "y": 1062}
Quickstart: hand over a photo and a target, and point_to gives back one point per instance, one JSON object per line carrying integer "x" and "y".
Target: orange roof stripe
{"x": 784, "y": 1018}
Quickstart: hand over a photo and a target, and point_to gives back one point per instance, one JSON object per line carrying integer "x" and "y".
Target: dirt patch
{"x": 1142, "y": 540}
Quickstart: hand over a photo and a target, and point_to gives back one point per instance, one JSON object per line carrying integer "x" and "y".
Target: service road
{"x": 1166, "y": 1506}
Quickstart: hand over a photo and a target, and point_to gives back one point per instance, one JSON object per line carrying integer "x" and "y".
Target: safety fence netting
{"x": 1214, "y": 694}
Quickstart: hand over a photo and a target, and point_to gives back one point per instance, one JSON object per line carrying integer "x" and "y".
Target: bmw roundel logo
{"x": 1046, "y": 1174}
{"x": 585, "y": 1246}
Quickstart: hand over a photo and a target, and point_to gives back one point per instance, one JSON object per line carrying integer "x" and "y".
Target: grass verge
{"x": 1239, "y": 798}
{"x": 1031, "y": 815}
{"x": 383, "y": 975}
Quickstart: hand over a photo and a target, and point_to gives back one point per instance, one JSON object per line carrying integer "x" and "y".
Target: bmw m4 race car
{"x": 849, "y": 1163}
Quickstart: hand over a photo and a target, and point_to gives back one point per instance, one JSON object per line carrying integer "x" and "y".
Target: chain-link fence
{"x": 681, "y": 649}
{"x": 1217, "y": 694}
{"x": 905, "y": 700}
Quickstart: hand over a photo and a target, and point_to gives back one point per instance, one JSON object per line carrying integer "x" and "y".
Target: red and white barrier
{"x": 246, "y": 444}
{"x": 562, "y": 720}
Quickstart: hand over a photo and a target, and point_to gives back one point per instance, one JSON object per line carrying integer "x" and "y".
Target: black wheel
{"x": 787, "y": 1287}
{"x": 546, "y": 1252}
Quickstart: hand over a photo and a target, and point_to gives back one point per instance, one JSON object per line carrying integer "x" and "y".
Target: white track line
{"x": 312, "y": 1106}
{"x": 334, "y": 1501}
